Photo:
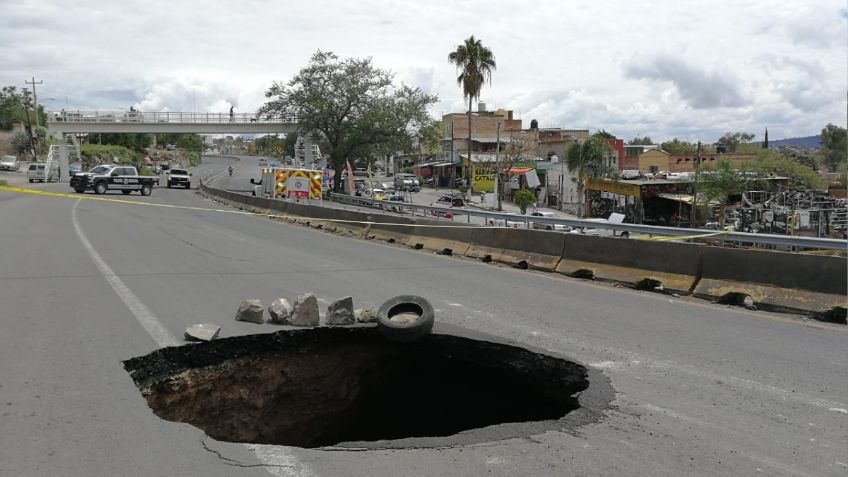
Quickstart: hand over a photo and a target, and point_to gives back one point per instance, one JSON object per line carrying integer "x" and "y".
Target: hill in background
{"x": 808, "y": 141}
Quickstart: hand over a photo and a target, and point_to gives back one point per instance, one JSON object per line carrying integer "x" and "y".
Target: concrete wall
{"x": 785, "y": 280}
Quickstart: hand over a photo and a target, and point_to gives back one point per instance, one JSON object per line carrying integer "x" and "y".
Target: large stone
{"x": 340, "y": 312}
{"x": 280, "y": 311}
{"x": 202, "y": 332}
{"x": 252, "y": 311}
{"x": 368, "y": 315}
{"x": 305, "y": 311}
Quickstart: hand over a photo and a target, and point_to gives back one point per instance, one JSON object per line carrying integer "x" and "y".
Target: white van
{"x": 36, "y": 173}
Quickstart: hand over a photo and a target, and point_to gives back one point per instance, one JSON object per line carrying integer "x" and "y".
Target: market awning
{"x": 517, "y": 171}
{"x": 684, "y": 198}
{"x": 432, "y": 164}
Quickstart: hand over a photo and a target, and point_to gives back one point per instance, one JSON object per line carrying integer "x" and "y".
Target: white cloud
{"x": 663, "y": 69}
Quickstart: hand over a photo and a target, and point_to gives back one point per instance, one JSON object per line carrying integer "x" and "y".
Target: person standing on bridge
{"x": 232, "y": 116}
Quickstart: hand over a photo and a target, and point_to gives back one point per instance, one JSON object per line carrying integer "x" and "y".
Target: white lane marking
{"x": 142, "y": 314}
{"x": 839, "y": 409}
{"x": 284, "y": 463}
{"x": 459, "y": 305}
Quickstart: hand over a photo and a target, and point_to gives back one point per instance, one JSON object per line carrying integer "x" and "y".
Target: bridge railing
{"x": 163, "y": 117}
{"x": 498, "y": 218}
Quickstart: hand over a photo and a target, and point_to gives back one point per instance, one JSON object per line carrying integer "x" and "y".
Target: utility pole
{"x": 35, "y": 98}
{"x": 25, "y": 92}
{"x": 452, "y": 166}
{"x": 498, "y": 168}
{"x": 697, "y": 163}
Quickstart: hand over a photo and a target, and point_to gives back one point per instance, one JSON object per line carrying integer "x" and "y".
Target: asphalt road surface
{"x": 702, "y": 389}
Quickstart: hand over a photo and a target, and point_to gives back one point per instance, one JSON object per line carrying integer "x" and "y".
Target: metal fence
{"x": 163, "y": 117}
{"x": 404, "y": 208}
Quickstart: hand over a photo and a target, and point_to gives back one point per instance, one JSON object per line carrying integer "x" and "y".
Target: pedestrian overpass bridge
{"x": 63, "y": 123}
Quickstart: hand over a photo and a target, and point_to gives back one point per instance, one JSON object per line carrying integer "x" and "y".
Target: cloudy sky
{"x": 687, "y": 69}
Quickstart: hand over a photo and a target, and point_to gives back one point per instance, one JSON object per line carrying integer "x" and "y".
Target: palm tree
{"x": 475, "y": 64}
{"x": 589, "y": 162}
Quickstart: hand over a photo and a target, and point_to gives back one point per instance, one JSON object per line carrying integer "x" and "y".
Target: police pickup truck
{"x": 112, "y": 177}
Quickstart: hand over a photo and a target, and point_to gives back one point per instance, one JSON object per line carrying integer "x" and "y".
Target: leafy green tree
{"x": 731, "y": 140}
{"x": 475, "y": 64}
{"x": 719, "y": 181}
{"x": 603, "y": 134}
{"x": 352, "y": 106}
{"x": 676, "y": 146}
{"x": 800, "y": 176}
{"x": 588, "y": 161}
{"x": 523, "y": 199}
{"x": 514, "y": 151}
{"x": 21, "y": 142}
{"x": 132, "y": 141}
{"x": 834, "y": 145}
{"x": 641, "y": 141}
{"x": 431, "y": 137}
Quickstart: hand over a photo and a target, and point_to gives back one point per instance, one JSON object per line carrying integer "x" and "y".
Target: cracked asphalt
{"x": 701, "y": 389}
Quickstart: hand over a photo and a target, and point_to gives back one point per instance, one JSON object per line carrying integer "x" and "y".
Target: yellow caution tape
{"x": 824, "y": 252}
{"x": 204, "y": 209}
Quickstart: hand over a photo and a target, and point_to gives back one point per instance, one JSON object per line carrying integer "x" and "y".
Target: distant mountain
{"x": 809, "y": 141}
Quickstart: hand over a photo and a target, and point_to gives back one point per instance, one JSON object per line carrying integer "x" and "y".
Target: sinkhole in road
{"x": 334, "y": 386}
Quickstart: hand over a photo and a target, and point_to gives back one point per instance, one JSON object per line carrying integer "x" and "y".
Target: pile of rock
{"x": 304, "y": 312}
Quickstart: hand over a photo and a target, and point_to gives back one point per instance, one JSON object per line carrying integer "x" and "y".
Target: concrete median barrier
{"x": 775, "y": 279}
{"x": 535, "y": 249}
{"x": 440, "y": 239}
{"x": 674, "y": 265}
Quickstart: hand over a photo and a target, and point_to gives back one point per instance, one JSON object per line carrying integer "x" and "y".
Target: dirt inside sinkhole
{"x": 328, "y": 386}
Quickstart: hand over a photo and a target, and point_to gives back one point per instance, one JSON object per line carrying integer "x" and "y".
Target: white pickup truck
{"x": 179, "y": 177}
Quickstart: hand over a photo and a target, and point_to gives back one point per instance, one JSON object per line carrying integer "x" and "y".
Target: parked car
{"x": 614, "y": 218}
{"x": 406, "y": 181}
{"x": 9, "y": 163}
{"x": 544, "y": 226}
{"x": 36, "y": 173}
{"x": 514, "y": 224}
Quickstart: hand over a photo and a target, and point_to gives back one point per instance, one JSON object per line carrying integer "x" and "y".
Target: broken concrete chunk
{"x": 368, "y": 315}
{"x": 280, "y": 311}
{"x": 305, "y": 311}
{"x": 202, "y": 332}
{"x": 251, "y": 310}
{"x": 340, "y": 312}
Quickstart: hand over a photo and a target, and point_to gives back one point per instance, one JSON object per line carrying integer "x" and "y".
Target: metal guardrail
{"x": 405, "y": 208}
{"x": 139, "y": 117}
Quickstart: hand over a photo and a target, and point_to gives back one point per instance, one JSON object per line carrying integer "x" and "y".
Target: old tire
{"x": 146, "y": 189}
{"x": 126, "y": 192}
{"x": 405, "y": 305}
{"x": 100, "y": 188}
